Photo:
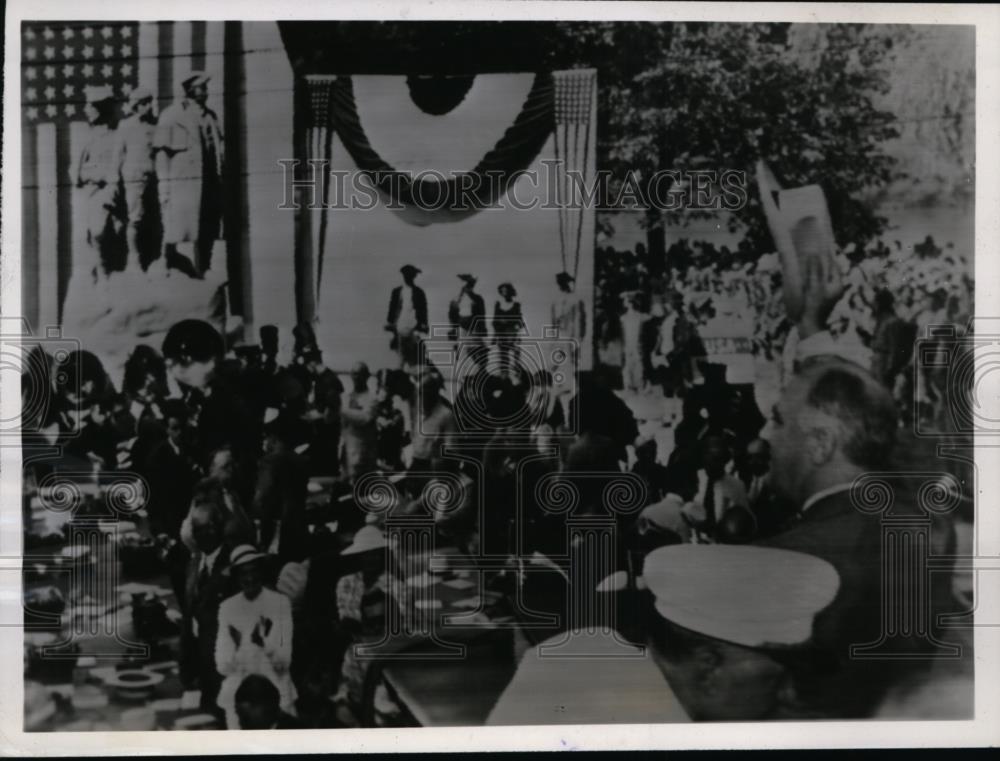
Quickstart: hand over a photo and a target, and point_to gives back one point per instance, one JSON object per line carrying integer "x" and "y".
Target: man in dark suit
{"x": 407, "y": 309}
{"x": 208, "y": 583}
{"x": 833, "y": 424}
{"x": 280, "y": 493}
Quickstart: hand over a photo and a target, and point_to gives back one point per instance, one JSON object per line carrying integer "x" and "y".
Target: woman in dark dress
{"x": 508, "y": 325}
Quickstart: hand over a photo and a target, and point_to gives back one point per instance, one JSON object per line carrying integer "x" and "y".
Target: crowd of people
{"x": 657, "y": 324}
{"x": 227, "y": 441}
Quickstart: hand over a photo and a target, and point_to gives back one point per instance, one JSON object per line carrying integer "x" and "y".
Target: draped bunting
{"x": 425, "y": 201}
{"x": 438, "y": 95}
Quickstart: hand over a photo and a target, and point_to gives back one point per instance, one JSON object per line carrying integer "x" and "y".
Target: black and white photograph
{"x": 409, "y": 373}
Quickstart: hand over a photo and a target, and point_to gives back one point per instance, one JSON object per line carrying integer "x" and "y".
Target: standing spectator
{"x": 569, "y": 313}
{"x": 255, "y": 634}
{"x": 280, "y": 495}
{"x": 207, "y": 584}
{"x": 390, "y": 428}
{"x": 631, "y": 321}
{"x": 892, "y": 342}
{"x": 359, "y": 426}
{"x": 172, "y": 472}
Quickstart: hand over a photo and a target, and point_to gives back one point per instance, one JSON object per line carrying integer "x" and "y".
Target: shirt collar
{"x": 208, "y": 561}
{"x": 824, "y": 493}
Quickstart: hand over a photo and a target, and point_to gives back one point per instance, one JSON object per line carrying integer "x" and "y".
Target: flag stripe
{"x": 198, "y": 39}
{"x": 29, "y": 227}
{"x": 165, "y": 80}
{"x": 48, "y": 256}
{"x": 182, "y": 54}
{"x": 149, "y": 46}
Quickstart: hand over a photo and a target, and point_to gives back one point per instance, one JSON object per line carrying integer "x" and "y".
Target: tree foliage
{"x": 722, "y": 96}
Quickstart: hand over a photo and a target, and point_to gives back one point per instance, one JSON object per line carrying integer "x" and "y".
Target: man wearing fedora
{"x": 407, "y": 311}
{"x": 189, "y": 164}
{"x": 137, "y": 171}
{"x": 96, "y": 177}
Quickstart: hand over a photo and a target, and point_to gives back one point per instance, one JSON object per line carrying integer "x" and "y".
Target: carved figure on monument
{"x": 97, "y": 180}
{"x": 134, "y": 163}
{"x": 189, "y": 165}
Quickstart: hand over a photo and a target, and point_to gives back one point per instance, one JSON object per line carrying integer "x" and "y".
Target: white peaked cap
{"x": 750, "y": 596}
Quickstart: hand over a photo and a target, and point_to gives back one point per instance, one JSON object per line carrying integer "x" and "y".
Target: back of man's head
{"x": 862, "y": 407}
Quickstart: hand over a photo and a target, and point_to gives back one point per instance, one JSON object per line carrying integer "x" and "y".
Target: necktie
{"x": 710, "y": 503}
{"x": 203, "y": 577}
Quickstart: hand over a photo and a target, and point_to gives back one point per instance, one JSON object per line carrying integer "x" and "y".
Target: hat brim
{"x": 358, "y": 549}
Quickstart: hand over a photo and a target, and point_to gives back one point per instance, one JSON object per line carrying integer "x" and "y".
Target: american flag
{"x": 58, "y": 61}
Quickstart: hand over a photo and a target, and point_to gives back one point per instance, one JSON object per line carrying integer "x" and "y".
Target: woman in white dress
{"x": 255, "y": 635}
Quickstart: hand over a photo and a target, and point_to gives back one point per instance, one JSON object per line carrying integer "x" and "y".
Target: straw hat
{"x": 367, "y": 538}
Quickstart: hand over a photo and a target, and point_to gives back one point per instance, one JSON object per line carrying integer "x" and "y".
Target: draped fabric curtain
{"x": 422, "y": 200}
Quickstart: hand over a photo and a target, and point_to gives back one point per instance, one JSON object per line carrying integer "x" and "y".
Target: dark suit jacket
{"x": 172, "y": 477}
{"x": 419, "y": 305}
{"x": 851, "y": 541}
{"x": 281, "y": 495}
{"x": 201, "y": 604}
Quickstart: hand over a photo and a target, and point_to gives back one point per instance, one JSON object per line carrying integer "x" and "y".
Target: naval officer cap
{"x": 751, "y": 596}
{"x": 192, "y": 341}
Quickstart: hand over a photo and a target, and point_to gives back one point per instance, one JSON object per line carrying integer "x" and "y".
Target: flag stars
{"x": 49, "y": 52}
{"x": 87, "y": 69}
{"x": 87, "y": 51}
{"x": 49, "y": 72}
{"x": 30, "y": 53}
{"x": 31, "y": 93}
{"x": 126, "y": 32}
{"x": 50, "y": 110}
{"x": 106, "y": 32}
{"x": 50, "y": 92}
{"x": 69, "y": 109}
{"x": 29, "y": 33}
{"x": 126, "y": 50}
{"x": 48, "y": 33}
{"x": 127, "y": 70}
{"x": 67, "y": 51}
{"x": 68, "y": 70}
{"x": 32, "y": 112}
{"x": 87, "y": 32}
{"x": 30, "y": 72}
{"x": 68, "y": 33}
{"x": 106, "y": 70}
{"x": 107, "y": 51}
{"x": 68, "y": 91}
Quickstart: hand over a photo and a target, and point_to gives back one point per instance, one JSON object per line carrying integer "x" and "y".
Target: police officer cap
{"x": 192, "y": 341}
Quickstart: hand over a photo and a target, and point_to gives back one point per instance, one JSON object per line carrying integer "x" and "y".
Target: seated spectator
{"x": 653, "y": 473}
{"x": 258, "y": 706}
{"x": 255, "y": 634}
{"x": 239, "y": 529}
